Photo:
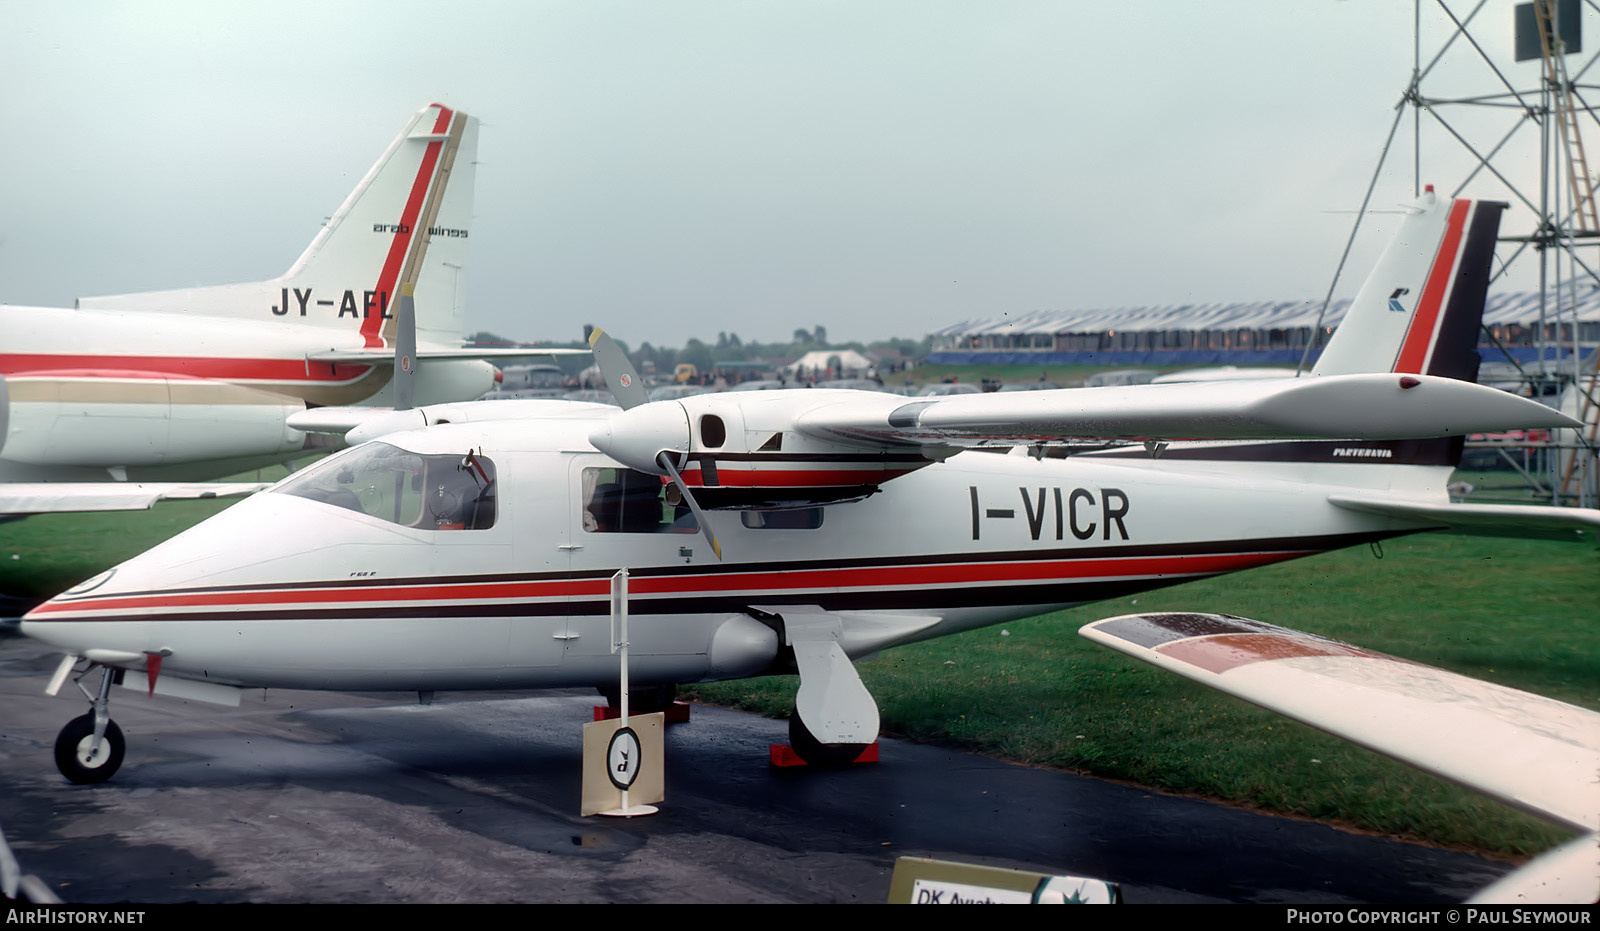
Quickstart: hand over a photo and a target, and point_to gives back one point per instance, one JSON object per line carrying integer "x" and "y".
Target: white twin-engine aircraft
{"x": 470, "y": 546}
{"x": 188, "y": 385}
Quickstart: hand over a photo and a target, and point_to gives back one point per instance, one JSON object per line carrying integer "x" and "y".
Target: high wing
{"x": 1528, "y": 751}
{"x": 22, "y": 498}
{"x": 359, "y": 424}
{"x": 1367, "y": 406}
{"x": 783, "y": 448}
{"x": 803, "y": 446}
{"x": 441, "y": 352}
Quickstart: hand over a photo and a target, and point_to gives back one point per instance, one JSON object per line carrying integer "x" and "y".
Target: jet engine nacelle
{"x": 442, "y": 381}
{"x": 744, "y": 451}
{"x": 63, "y": 419}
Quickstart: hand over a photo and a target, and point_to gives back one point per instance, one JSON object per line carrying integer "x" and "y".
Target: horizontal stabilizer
{"x": 1473, "y": 516}
{"x": 359, "y": 424}
{"x": 20, "y": 498}
{"x": 1531, "y": 752}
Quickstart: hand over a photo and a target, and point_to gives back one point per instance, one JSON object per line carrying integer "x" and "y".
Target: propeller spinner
{"x": 646, "y": 435}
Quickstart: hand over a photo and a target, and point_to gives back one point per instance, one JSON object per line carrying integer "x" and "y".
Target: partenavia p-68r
{"x": 470, "y": 545}
{"x": 187, "y": 385}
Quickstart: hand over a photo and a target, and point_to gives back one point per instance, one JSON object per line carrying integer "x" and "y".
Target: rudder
{"x": 1421, "y": 308}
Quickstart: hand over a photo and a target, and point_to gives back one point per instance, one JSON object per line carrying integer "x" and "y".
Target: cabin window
{"x": 434, "y": 492}
{"x": 713, "y": 432}
{"x": 625, "y": 501}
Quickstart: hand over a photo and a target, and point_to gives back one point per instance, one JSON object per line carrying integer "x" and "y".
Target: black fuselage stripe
{"x": 966, "y": 596}
{"x": 1127, "y": 551}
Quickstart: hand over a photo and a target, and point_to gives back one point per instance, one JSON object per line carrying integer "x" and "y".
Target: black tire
{"x": 814, "y": 751}
{"x": 72, "y": 747}
{"x": 646, "y": 700}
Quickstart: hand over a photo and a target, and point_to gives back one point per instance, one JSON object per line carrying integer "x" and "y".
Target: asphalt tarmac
{"x": 361, "y": 798}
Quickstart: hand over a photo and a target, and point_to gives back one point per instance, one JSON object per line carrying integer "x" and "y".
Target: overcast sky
{"x": 675, "y": 169}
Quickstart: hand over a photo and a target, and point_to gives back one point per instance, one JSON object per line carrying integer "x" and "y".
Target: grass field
{"x": 1518, "y": 612}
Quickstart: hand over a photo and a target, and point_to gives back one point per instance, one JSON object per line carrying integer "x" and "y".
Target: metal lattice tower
{"x": 1465, "y": 94}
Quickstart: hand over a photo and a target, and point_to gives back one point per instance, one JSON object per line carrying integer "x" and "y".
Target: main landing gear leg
{"x": 834, "y": 716}
{"x": 90, "y": 748}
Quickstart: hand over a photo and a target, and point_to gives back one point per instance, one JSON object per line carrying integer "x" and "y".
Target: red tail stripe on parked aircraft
{"x": 1425, "y": 322}
{"x": 755, "y": 583}
{"x": 370, "y": 326}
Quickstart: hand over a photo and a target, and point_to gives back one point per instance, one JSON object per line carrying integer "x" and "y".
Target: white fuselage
{"x": 284, "y": 591}
{"x": 156, "y": 396}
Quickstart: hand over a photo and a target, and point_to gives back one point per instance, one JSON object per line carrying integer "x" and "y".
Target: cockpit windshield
{"x": 429, "y": 492}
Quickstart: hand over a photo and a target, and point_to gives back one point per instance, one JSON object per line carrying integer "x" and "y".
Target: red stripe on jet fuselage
{"x": 1425, "y": 322}
{"x": 370, "y": 325}
{"x": 234, "y": 370}
{"x": 756, "y": 584}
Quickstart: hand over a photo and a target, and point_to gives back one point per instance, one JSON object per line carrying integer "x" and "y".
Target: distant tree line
{"x": 728, "y": 347}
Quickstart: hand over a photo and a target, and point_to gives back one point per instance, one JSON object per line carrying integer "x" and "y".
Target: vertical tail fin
{"x": 1420, "y": 309}
{"x": 406, "y": 222}
{"x": 1418, "y": 312}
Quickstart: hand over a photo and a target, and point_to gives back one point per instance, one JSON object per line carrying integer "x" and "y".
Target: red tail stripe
{"x": 371, "y": 326}
{"x": 1425, "y": 322}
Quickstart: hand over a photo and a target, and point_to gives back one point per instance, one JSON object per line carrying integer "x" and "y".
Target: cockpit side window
{"x": 434, "y": 492}
{"x": 625, "y": 501}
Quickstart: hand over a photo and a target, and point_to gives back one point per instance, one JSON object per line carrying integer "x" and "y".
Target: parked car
{"x": 939, "y": 390}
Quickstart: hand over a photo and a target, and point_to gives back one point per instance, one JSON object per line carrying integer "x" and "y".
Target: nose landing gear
{"x": 89, "y": 749}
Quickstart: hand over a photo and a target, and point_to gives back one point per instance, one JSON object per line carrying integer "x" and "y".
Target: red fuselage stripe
{"x": 791, "y": 478}
{"x": 372, "y": 325}
{"x": 235, "y": 369}
{"x": 754, "y": 583}
{"x": 1414, "y": 351}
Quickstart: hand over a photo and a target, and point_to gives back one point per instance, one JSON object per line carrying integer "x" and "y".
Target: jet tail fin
{"x": 406, "y": 222}
{"x": 1420, "y": 309}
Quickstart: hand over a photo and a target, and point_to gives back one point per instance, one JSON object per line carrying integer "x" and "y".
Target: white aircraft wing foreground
{"x": 1525, "y": 750}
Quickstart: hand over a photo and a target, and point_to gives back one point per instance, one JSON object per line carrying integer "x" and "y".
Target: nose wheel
{"x": 89, "y": 749}
{"x": 84, "y": 758}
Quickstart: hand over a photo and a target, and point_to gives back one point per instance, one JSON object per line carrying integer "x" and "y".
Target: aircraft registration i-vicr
{"x": 469, "y": 546}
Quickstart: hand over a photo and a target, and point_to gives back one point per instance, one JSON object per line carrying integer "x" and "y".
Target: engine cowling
{"x": 743, "y": 452}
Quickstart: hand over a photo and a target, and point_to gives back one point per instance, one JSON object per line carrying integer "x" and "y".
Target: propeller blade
{"x": 614, "y": 365}
{"x": 5, "y": 411}
{"x": 405, "y": 350}
{"x": 665, "y": 459}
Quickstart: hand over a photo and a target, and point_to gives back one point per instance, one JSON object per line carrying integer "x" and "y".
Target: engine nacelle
{"x": 743, "y": 452}
{"x": 130, "y": 419}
